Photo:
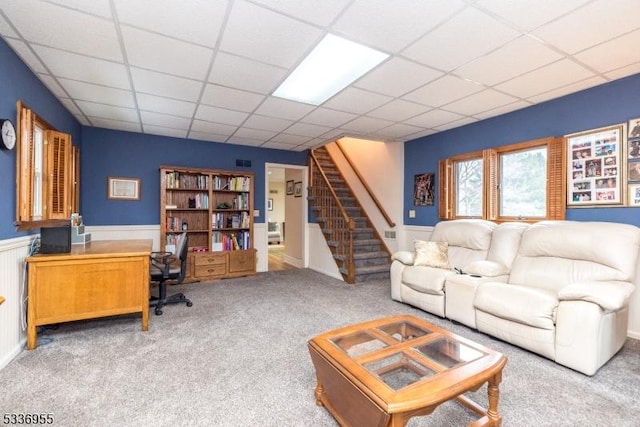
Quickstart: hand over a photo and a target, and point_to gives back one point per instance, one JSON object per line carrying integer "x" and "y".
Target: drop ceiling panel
{"x": 83, "y": 68}
{"x": 213, "y": 128}
{"x": 434, "y": 118}
{"x": 188, "y": 20}
{"x": 159, "y": 104}
{"x": 97, "y": 93}
{"x": 261, "y": 135}
{"x": 306, "y": 129}
{"x": 480, "y": 102}
{"x": 151, "y": 51}
{"x": 443, "y": 91}
{"x": 396, "y": 77}
{"x": 444, "y": 49}
{"x": 283, "y": 109}
{"x": 233, "y": 71}
{"x": 516, "y": 57}
{"x": 397, "y": 110}
{"x": 164, "y": 131}
{"x": 357, "y": 101}
{"x": 530, "y": 14}
{"x": 366, "y": 125}
{"x": 258, "y": 33}
{"x": 328, "y": 117}
{"x": 27, "y": 56}
{"x": 233, "y": 99}
{"x": 164, "y": 85}
{"x": 94, "y": 7}
{"x": 592, "y": 24}
{"x": 115, "y": 124}
{"x": 617, "y": 53}
{"x": 398, "y": 131}
{"x": 256, "y": 121}
{"x": 552, "y": 76}
{"x": 365, "y": 21}
{"x": 567, "y": 89}
{"x": 203, "y": 136}
{"x": 322, "y": 13}
{"x": 220, "y": 115}
{"x": 53, "y": 85}
{"x": 149, "y": 118}
{"x": 101, "y": 111}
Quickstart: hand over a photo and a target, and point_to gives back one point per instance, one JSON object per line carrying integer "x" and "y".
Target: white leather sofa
{"x": 557, "y": 288}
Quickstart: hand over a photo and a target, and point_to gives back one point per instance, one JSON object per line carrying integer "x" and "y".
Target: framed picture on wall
{"x": 269, "y": 204}
{"x": 634, "y": 194}
{"x": 289, "y": 188}
{"x": 119, "y": 188}
{"x": 423, "y": 189}
{"x": 297, "y": 189}
{"x": 596, "y": 166}
{"x": 634, "y": 129}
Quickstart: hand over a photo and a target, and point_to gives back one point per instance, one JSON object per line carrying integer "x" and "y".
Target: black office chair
{"x": 165, "y": 267}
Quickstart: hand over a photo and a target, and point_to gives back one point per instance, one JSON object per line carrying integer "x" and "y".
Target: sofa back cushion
{"x": 505, "y": 242}
{"x": 468, "y": 239}
{"x": 553, "y": 254}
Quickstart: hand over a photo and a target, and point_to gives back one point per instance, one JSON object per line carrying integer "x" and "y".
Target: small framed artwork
{"x": 596, "y": 167}
{"x": 270, "y": 204}
{"x": 423, "y": 189}
{"x": 634, "y": 128}
{"x": 119, "y": 188}
{"x": 634, "y": 194}
{"x": 289, "y": 188}
{"x": 297, "y": 189}
{"x": 633, "y": 171}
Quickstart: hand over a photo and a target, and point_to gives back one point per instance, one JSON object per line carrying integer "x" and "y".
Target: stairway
{"x": 358, "y": 250}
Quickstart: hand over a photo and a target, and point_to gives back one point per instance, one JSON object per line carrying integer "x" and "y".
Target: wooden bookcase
{"x": 215, "y": 208}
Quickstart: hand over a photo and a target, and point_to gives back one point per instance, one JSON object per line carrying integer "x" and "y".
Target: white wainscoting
{"x": 321, "y": 259}
{"x": 13, "y": 335}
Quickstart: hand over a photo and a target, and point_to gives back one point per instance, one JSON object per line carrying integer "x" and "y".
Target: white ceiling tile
{"x": 278, "y": 145}
{"x": 257, "y": 134}
{"x": 530, "y": 14}
{"x": 212, "y": 137}
{"x": 398, "y": 110}
{"x": 53, "y": 85}
{"x": 322, "y": 13}
{"x": 67, "y": 29}
{"x": 164, "y": 85}
{"x": 72, "y": 108}
{"x": 434, "y": 118}
{"x": 220, "y": 115}
{"x": 306, "y": 129}
{"x": 544, "y": 79}
{"x": 233, "y": 71}
{"x": 97, "y": 93}
{"x": 233, "y": 99}
{"x": 518, "y": 105}
{"x": 163, "y": 131}
{"x": 283, "y": 109}
{"x": 358, "y": 101}
{"x": 457, "y": 123}
{"x": 365, "y": 20}
{"x": 195, "y": 21}
{"x": 624, "y": 71}
{"x": 266, "y": 36}
{"x": 444, "y": 49}
{"x": 6, "y": 30}
{"x": 102, "y": 111}
{"x": 78, "y": 67}
{"x": 567, "y": 89}
{"x": 95, "y": 7}
{"x": 290, "y": 139}
{"x": 27, "y": 56}
{"x": 522, "y": 55}
{"x": 397, "y": 77}
{"x": 421, "y": 134}
{"x": 213, "y": 128}
{"x": 366, "y": 124}
{"x": 165, "y": 105}
{"x": 591, "y": 24}
{"x": 443, "y": 91}
{"x": 150, "y": 118}
{"x": 115, "y": 124}
{"x": 617, "y": 53}
{"x": 246, "y": 141}
{"x": 167, "y": 55}
{"x": 480, "y": 102}
{"x": 256, "y": 121}
{"x": 83, "y": 121}
{"x": 398, "y": 131}
{"x": 328, "y": 117}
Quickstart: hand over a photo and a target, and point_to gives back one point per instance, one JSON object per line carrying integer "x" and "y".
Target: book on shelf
{"x": 171, "y": 207}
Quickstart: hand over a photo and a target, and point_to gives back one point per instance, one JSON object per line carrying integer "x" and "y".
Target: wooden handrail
{"x": 333, "y": 193}
{"x": 365, "y": 185}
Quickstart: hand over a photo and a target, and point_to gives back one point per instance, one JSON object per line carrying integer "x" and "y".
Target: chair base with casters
{"x": 165, "y": 268}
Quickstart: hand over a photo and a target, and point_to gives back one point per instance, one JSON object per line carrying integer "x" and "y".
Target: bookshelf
{"x": 215, "y": 208}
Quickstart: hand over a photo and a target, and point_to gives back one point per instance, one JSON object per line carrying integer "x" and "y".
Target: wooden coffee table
{"x": 385, "y": 371}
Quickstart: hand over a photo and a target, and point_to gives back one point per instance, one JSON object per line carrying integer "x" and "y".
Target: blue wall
{"x": 608, "y": 104}
{"x": 17, "y": 82}
{"x": 113, "y": 153}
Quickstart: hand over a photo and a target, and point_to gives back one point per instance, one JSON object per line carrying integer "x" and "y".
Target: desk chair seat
{"x": 164, "y": 267}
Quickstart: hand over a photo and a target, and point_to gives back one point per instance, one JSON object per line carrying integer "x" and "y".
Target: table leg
{"x": 32, "y": 336}
{"x": 494, "y": 393}
{"x": 319, "y": 391}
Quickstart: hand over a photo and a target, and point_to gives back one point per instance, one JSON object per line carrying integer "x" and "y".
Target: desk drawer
{"x": 209, "y": 265}
{"x": 242, "y": 261}
{"x": 210, "y": 259}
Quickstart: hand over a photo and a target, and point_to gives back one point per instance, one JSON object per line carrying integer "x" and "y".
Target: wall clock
{"x": 8, "y": 134}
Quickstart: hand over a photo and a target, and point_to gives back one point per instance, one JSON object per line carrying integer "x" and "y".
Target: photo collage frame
{"x": 633, "y": 162}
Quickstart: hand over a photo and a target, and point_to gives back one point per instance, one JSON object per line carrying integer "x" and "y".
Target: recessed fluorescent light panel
{"x": 330, "y": 67}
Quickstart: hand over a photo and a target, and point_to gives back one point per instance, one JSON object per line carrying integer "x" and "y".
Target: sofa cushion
{"x": 425, "y": 279}
{"x": 404, "y": 257}
{"x": 530, "y": 306}
{"x": 431, "y": 254}
{"x": 486, "y": 268}
{"x": 468, "y": 239}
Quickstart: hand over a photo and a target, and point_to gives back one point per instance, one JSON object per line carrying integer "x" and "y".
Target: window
{"x": 46, "y": 172}
{"x": 523, "y": 181}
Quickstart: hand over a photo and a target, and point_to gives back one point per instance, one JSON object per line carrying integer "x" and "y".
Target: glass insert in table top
{"x": 362, "y": 342}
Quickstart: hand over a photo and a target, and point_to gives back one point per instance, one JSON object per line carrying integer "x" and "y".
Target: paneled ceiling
{"x": 206, "y": 69}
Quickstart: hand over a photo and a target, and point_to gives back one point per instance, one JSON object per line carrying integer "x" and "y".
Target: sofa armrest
{"x": 610, "y": 296}
{"x": 486, "y": 268}
{"x": 404, "y": 257}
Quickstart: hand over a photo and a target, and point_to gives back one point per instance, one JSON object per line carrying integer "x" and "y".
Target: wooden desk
{"x": 101, "y": 278}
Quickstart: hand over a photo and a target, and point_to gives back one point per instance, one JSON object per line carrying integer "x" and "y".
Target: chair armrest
{"x": 162, "y": 261}
{"x": 609, "y": 295}
{"x": 404, "y": 257}
{"x": 486, "y": 268}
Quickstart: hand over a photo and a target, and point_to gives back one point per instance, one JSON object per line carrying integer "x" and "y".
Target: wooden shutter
{"x": 59, "y": 175}
{"x": 556, "y": 179}
{"x": 490, "y": 201}
{"x": 445, "y": 189}
{"x": 24, "y": 164}
{"x": 75, "y": 175}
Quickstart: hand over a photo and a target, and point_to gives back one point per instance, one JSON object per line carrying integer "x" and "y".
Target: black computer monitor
{"x": 55, "y": 240}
